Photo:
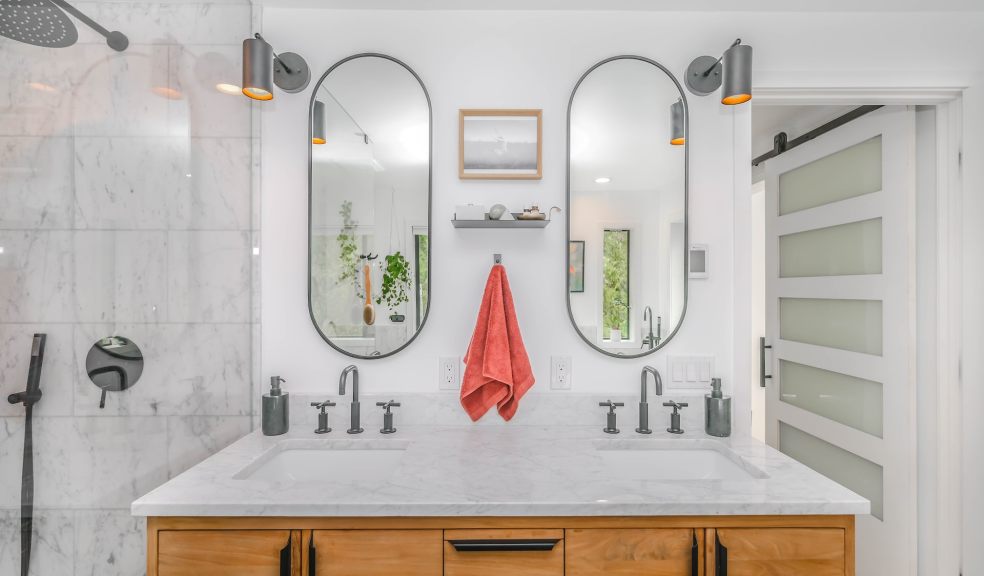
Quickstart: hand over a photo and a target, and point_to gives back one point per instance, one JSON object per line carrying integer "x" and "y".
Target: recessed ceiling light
{"x": 603, "y": 180}
{"x": 229, "y": 89}
{"x": 1, "y": 249}
{"x": 42, "y": 87}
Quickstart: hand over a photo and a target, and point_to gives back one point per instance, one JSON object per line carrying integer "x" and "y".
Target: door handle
{"x": 762, "y": 375}
{"x": 694, "y": 557}
{"x": 524, "y": 545}
{"x": 285, "y": 558}
{"x": 720, "y": 557}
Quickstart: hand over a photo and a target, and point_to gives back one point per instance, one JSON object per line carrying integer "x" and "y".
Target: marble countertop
{"x": 499, "y": 471}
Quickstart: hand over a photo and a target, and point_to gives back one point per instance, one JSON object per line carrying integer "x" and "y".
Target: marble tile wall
{"x": 128, "y": 205}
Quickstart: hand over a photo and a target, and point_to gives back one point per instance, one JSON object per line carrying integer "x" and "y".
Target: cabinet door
{"x": 376, "y": 552}
{"x": 500, "y": 552}
{"x": 228, "y": 553}
{"x": 776, "y": 552}
{"x": 653, "y": 552}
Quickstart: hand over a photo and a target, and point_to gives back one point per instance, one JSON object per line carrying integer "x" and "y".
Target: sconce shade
{"x": 737, "y": 82}
{"x": 257, "y": 69}
{"x": 318, "y": 123}
{"x": 678, "y": 135}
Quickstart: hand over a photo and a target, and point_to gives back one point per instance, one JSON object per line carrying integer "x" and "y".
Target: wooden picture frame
{"x": 493, "y": 144}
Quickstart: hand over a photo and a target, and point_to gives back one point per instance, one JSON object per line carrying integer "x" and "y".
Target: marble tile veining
{"x": 209, "y": 276}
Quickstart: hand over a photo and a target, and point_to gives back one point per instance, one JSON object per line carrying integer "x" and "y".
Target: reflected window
{"x": 421, "y": 241}
{"x": 615, "y": 296}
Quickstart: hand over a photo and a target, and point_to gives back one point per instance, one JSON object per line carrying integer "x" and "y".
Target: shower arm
{"x": 116, "y": 40}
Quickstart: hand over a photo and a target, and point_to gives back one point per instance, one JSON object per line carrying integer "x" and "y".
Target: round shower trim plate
{"x": 297, "y": 79}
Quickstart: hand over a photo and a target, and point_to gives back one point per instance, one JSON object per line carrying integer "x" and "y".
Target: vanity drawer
{"x": 534, "y": 552}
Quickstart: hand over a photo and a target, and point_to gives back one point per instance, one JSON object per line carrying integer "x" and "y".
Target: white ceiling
{"x": 643, "y": 5}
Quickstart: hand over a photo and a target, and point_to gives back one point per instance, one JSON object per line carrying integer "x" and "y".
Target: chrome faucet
{"x": 643, "y": 401}
{"x": 355, "y": 428}
{"x": 651, "y": 340}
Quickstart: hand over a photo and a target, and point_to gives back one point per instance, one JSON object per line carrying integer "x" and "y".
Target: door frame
{"x": 944, "y": 525}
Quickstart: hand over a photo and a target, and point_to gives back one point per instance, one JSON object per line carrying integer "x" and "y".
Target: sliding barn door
{"x": 840, "y": 307}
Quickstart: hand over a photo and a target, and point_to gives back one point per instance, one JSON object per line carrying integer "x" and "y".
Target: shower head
{"x": 45, "y": 23}
{"x": 36, "y": 22}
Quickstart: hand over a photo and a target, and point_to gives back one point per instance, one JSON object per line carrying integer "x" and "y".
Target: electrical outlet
{"x": 448, "y": 369}
{"x": 560, "y": 373}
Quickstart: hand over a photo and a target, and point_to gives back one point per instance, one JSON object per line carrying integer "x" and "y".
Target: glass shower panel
{"x": 846, "y": 249}
{"x": 854, "y": 325}
{"x": 852, "y": 401}
{"x": 851, "y": 172}
{"x": 846, "y": 468}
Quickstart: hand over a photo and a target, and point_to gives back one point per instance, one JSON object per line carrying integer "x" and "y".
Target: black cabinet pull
{"x": 526, "y": 545}
{"x": 312, "y": 557}
{"x": 720, "y": 557}
{"x": 762, "y": 348}
{"x": 285, "y": 558}
{"x": 694, "y": 557}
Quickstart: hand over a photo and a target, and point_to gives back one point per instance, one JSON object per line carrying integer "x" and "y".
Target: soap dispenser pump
{"x": 276, "y": 409}
{"x": 717, "y": 411}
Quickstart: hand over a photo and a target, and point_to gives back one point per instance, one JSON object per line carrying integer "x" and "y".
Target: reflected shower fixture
{"x": 733, "y": 70}
{"x": 262, "y": 68}
{"x": 46, "y": 23}
{"x": 318, "y": 130}
{"x": 678, "y": 135}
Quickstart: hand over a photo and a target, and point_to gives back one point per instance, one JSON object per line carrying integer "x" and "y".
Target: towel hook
{"x": 497, "y": 258}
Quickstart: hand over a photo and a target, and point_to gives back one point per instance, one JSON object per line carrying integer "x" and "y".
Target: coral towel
{"x": 497, "y": 371}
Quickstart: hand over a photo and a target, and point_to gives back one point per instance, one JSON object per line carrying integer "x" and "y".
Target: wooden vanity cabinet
{"x": 493, "y": 546}
{"x": 228, "y": 553}
{"x": 634, "y": 551}
{"x": 779, "y": 551}
{"x": 375, "y": 553}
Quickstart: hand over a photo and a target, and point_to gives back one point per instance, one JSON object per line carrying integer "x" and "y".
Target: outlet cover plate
{"x": 561, "y": 372}
{"x": 449, "y": 373}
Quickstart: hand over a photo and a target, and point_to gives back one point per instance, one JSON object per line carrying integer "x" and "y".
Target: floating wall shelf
{"x": 487, "y": 223}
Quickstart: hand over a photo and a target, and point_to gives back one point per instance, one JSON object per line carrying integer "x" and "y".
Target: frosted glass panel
{"x": 846, "y": 249}
{"x": 854, "y": 325}
{"x": 846, "y": 468}
{"x": 854, "y": 402}
{"x": 845, "y": 174}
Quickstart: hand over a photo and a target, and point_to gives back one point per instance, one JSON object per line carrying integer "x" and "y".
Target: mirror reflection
{"x": 627, "y": 216}
{"x": 370, "y": 206}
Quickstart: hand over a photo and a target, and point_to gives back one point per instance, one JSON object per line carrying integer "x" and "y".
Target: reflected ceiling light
{"x": 41, "y": 87}
{"x": 262, "y": 68}
{"x": 228, "y": 88}
{"x": 678, "y": 135}
{"x": 733, "y": 69}
{"x": 603, "y": 180}
{"x": 318, "y": 129}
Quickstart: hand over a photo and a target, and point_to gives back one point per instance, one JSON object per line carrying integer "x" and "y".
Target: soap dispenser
{"x": 717, "y": 411}
{"x": 276, "y": 409}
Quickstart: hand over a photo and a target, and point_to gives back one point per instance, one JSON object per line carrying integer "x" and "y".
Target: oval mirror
{"x": 627, "y": 206}
{"x": 369, "y": 206}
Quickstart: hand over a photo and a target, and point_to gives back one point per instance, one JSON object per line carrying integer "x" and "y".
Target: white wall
{"x": 531, "y": 60}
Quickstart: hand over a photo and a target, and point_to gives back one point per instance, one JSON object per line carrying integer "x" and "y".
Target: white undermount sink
{"x": 674, "y": 460}
{"x": 304, "y": 461}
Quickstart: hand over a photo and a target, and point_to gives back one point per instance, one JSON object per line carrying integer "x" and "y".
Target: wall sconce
{"x": 678, "y": 136}
{"x": 704, "y": 75}
{"x": 318, "y": 130}
{"x": 262, "y": 68}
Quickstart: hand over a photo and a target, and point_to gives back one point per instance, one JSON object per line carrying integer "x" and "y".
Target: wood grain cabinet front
{"x": 779, "y": 552}
{"x": 617, "y": 552}
{"x": 374, "y": 553}
{"x": 228, "y": 553}
{"x": 528, "y": 552}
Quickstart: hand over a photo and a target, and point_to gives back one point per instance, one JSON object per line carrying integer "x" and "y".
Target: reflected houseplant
{"x": 395, "y": 286}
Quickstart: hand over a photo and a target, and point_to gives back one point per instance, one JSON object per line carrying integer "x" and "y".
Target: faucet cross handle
{"x": 387, "y": 416}
{"x": 611, "y": 428}
{"x": 322, "y": 416}
{"x": 675, "y": 416}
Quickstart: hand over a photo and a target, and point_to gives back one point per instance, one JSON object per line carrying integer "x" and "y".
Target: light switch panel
{"x": 689, "y": 372}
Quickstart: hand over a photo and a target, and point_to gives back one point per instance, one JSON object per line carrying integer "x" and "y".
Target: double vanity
{"x": 491, "y": 499}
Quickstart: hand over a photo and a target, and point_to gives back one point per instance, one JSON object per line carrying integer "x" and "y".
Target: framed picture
{"x": 500, "y": 144}
{"x": 575, "y": 275}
